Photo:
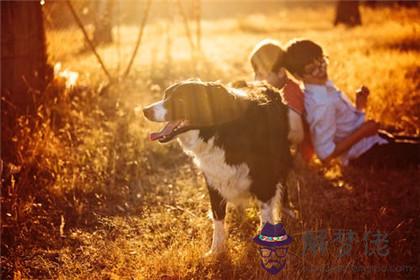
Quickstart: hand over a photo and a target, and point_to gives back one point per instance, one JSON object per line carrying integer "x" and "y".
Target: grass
{"x": 93, "y": 198}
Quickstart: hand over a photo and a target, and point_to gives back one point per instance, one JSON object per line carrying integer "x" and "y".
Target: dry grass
{"x": 95, "y": 199}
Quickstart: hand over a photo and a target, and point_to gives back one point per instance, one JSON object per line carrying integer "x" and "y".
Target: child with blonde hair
{"x": 267, "y": 60}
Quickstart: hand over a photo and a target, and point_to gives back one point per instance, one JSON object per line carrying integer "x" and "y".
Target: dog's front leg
{"x": 218, "y": 207}
{"x": 269, "y": 209}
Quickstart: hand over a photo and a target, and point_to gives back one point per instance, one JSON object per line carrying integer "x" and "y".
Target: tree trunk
{"x": 25, "y": 71}
{"x": 347, "y": 13}
{"x": 103, "y": 22}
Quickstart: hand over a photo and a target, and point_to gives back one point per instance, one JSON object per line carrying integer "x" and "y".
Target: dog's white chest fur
{"x": 232, "y": 182}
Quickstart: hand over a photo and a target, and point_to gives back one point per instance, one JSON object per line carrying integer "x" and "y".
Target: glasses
{"x": 318, "y": 67}
{"x": 280, "y": 252}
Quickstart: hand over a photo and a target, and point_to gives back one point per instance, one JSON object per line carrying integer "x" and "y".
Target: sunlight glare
{"x": 69, "y": 76}
{"x": 239, "y": 92}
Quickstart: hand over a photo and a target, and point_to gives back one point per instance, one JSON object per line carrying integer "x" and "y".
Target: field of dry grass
{"x": 96, "y": 200}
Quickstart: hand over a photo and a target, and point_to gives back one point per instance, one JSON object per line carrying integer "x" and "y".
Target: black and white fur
{"x": 238, "y": 138}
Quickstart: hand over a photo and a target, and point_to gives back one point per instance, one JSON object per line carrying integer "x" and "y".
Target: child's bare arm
{"x": 362, "y": 98}
{"x": 295, "y": 127}
{"x": 368, "y": 128}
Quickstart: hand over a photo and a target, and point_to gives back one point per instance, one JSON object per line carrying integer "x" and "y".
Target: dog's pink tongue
{"x": 164, "y": 132}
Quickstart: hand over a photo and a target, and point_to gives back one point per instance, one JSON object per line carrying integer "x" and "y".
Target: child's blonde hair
{"x": 267, "y": 53}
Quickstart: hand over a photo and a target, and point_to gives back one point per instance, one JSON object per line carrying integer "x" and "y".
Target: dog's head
{"x": 194, "y": 104}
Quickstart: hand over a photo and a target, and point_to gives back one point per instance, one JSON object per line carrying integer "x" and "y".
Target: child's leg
{"x": 395, "y": 154}
{"x": 398, "y": 137}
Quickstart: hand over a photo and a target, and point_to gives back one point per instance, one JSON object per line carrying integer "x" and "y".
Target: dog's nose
{"x": 148, "y": 112}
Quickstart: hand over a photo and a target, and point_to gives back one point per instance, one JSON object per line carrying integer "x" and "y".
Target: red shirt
{"x": 294, "y": 98}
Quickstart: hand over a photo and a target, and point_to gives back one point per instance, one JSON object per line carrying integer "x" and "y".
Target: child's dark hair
{"x": 300, "y": 53}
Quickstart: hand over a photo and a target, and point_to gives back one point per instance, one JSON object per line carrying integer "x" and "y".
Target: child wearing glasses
{"x": 338, "y": 128}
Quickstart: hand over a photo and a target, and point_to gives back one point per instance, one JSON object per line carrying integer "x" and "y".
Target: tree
{"x": 103, "y": 22}
{"x": 25, "y": 71}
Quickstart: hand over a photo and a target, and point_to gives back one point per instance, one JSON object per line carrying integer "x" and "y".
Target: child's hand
{"x": 361, "y": 98}
{"x": 272, "y": 79}
{"x": 370, "y": 128}
{"x": 277, "y": 79}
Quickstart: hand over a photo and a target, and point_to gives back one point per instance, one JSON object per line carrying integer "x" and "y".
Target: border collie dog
{"x": 237, "y": 136}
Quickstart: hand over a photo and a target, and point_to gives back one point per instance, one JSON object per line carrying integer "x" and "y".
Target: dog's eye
{"x": 179, "y": 102}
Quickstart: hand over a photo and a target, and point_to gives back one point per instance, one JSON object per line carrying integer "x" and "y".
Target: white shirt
{"x": 331, "y": 118}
